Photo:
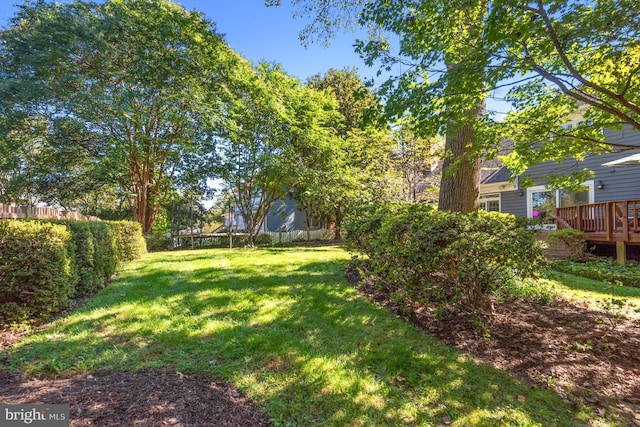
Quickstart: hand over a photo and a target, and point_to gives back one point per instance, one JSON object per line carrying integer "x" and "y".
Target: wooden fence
{"x": 13, "y": 211}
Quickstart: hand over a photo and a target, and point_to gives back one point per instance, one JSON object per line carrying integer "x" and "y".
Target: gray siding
{"x": 620, "y": 183}
{"x": 285, "y": 215}
{"x": 512, "y": 202}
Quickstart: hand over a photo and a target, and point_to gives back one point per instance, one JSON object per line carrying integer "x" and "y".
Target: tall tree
{"x": 361, "y": 155}
{"x": 454, "y": 53}
{"x": 137, "y": 85}
{"x": 275, "y": 130}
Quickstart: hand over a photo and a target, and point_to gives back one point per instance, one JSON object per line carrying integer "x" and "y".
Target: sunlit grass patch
{"x": 596, "y": 294}
{"x": 283, "y": 326}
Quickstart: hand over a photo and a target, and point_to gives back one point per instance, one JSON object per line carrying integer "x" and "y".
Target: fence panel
{"x": 298, "y": 235}
{"x": 13, "y": 211}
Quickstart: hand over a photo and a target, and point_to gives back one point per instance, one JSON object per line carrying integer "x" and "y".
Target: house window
{"x": 542, "y": 203}
{"x": 573, "y": 198}
{"x": 490, "y": 202}
{"x": 542, "y": 206}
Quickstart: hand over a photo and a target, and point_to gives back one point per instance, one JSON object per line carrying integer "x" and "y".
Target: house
{"x": 284, "y": 215}
{"x": 610, "y": 183}
{"x": 609, "y": 203}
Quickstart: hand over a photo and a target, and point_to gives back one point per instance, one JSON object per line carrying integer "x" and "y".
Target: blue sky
{"x": 263, "y": 33}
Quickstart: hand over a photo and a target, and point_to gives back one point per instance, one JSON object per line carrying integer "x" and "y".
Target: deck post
{"x": 608, "y": 218}
{"x": 579, "y": 225}
{"x": 621, "y": 252}
{"x": 625, "y": 221}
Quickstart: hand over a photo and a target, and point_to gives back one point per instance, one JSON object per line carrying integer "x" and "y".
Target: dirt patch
{"x": 566, "y": 347}
{"x": 144, "y": 398}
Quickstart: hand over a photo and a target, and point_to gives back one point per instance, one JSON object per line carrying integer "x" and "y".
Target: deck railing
{"x": 608, "y": 221}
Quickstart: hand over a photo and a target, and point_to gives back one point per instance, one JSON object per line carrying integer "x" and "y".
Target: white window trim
{"x": 540, "y": 188}
{"x": 494, "y": 196}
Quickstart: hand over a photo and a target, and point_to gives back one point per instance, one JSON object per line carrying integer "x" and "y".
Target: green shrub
{"x": 447, "y": 257}
{"x": 157, "y": 241}
{"x": 105, "y": 256}
{"x": 605, "y": 269}
{"x": 83, "y": 257}
{"x": 263, "y": 239}
{"x": 574, "y": 240}
{"x": 129, "y": 241}
{"x": 36, "y": 277}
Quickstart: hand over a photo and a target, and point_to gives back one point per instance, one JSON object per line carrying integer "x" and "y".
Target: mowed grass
{"x": 283, "y": 326}
{"x": 597, "y": 294}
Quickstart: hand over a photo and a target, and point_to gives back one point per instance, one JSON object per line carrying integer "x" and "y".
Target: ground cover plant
{"x": 282, "y": 327}
{"x": 604, "y": 269}
{"x": 574, "y": 341}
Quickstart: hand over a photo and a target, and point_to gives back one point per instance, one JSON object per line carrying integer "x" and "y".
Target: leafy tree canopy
{"x": 551, "y": 58}
{"x": 136, "y": 87}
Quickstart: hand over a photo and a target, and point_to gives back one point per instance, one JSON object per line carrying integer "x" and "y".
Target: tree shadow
{"x": 295, "y": 337}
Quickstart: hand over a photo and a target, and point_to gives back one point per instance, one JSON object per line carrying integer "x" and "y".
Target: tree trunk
{"x": 338, "y": 225}
{"x": 460, "y": 182}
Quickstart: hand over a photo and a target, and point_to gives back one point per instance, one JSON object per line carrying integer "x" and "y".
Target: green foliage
{"x": 574, "y": 240}
{"x": 157, "y": 241}
{"x": 137, "y": 88}
{"x": 98, "y": 248}
{"x": 447, "y": 257}
{"x": 36, "y": 277}
{"x": 607, "y": 270}
{"x": 105, "y": 256}
{"x": 353, "y": 169}
{"x": 263, "y": 239}
{"x": 272, "y": 137}
{"x": 42, "y": 264}
{"x": 84, "y": 257}
{"x": 553, "y": 58}
{"x": 129, "y": 241}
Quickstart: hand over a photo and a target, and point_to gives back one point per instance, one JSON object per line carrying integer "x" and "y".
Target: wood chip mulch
{"x": 584, "y": 355}
{"x": 140, "y": 398}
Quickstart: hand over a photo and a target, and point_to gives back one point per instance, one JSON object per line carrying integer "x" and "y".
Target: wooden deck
{"x": 607, "y": 222}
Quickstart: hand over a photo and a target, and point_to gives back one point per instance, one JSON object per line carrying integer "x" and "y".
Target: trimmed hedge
{"x": 34, "y": 283}
{"x": 130, "y": 243}
{"x": 36, "y": 277}
{"x": 451, "y": 258}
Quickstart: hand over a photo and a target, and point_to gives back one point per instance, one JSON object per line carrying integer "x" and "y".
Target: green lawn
{"x": 598, "y": 294}
{"x": 283, "y": 326}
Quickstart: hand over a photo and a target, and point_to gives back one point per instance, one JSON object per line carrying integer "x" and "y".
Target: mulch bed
{"x": 568, "y": 348}
{"x": 140, "y": 398}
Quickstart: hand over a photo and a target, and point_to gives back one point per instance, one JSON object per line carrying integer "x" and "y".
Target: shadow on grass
{"x": 291, "y": 334}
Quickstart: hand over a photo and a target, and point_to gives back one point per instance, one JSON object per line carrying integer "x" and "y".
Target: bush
{"x": 83, "y": 257}
{"x": 447, "y": 257}
{"x": 105, "y": 257}
{"x": 42, "y": 264}
{"x": 574, "y": 240}
{"x": 606, "y": 270}
{"x": 36, "y": 277}
{"x": 158, "y": 241}
{"x": 263, "y": 239}
{"x": 129, "y": 241}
